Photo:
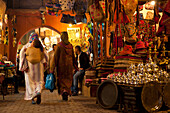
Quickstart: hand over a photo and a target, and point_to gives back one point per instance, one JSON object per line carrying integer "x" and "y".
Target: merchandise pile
{"x": 123, "y": 62}
{"x": 140, "y": 74}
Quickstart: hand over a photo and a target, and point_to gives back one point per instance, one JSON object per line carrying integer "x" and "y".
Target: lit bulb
{"x": 153, "y": 3}
{"x": 1, "y": 25}
{"x": 77, "y": 35}
{"x": 70, "y": 25}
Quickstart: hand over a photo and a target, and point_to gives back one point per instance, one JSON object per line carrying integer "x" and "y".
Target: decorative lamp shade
{"x": 2, "y": 7}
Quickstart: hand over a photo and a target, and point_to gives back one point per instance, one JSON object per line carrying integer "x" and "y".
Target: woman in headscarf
{"x": 34, "y": 71}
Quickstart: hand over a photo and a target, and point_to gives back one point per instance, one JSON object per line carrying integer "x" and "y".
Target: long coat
{"x": 64, "y": 61}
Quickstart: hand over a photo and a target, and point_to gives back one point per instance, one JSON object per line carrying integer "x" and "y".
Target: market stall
{"x": 129, "y": 34}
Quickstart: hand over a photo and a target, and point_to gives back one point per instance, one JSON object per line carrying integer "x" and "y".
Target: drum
{"x": 166, "y": 92}
{"x": 151, "y": 96}
{"x": 107, "y": 94}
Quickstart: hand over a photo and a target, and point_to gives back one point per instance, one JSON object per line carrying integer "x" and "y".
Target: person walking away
{"x": 51, "y": 55}
{"x": 33, "y": 66}
{"x": 83, "y": 63}
{"x": 64, "y": 61}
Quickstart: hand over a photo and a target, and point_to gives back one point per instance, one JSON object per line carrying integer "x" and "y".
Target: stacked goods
{"x": 140, "y": 48}
{"x": 123, "y": 62}
{"x": 105, "y": 68}
{"x": 91, "y": 83}
{"x": 90, "y": 77}
{"x": 141, "y": 74}
{"x": 124, "y": 59}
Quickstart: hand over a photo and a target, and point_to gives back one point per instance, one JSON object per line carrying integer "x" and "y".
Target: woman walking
{"x": 34, "y": 59}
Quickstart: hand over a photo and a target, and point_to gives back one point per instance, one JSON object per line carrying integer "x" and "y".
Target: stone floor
{"x": 51, "y": 103}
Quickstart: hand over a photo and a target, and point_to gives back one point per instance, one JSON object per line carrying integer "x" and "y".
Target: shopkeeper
{"x": 83, "y": 63}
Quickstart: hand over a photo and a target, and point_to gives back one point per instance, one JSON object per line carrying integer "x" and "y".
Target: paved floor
{"x": 51, "y": 103}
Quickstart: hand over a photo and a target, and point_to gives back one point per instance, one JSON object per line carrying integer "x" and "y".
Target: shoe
{"x": 38, "y": 98}
{"x": 74, "y": 94}
{"x": 16, "y": 92}
{"x": 33, "y": 102}
{"x": 65, "y": 96}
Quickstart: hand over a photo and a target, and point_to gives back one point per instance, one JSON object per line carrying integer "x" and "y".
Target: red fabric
{"x": 140, "y": 45}
{"x": 129, "y": 57}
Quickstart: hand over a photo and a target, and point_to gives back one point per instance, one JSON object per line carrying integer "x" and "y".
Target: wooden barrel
{"x": 107, "y": 94}
{"x": 166, "y": 92}
{"x": 151, "y": 96}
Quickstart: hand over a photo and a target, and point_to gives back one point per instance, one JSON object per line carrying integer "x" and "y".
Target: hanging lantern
{"x": 6, "y": 36}
{"x": 14, "y": 41}
{"x": 14, "y": 33}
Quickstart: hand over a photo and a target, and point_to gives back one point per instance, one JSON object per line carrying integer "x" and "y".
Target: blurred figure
{"x": 12, "y": 75}
{"x": 51, "y": 55}
{"x": 64, "y": 61}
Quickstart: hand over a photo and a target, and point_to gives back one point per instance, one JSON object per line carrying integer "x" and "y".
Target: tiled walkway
{"x": 51, "y": 103}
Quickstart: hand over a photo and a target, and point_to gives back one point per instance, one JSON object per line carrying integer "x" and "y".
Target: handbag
{"x": 50, "y": 82}
{"x": 97, "y": 12}
{"x": 53, "y": 8}
{"x": 81, "y": 18}
{"x": 80, "y": 7}
{"x": 68, "y": 19}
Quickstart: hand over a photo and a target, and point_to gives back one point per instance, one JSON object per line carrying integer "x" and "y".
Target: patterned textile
{"x": 67, "y": 5}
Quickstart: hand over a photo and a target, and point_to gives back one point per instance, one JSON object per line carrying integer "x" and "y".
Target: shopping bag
{"x": 50, "y": 82}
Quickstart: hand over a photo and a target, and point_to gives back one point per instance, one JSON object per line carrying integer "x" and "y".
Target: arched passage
{"x": 37, "y": 28}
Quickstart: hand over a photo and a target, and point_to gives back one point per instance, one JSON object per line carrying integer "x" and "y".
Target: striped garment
{"x": 34, "y": 79}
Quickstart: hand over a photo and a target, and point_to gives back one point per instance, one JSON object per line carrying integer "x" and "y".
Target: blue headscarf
{"x": 32, "y": 37}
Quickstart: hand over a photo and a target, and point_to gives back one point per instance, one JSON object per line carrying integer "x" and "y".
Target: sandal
{"x": 38, "y": 98}
{"x": 33, "y": 102}
{"x": 65, "y": 96}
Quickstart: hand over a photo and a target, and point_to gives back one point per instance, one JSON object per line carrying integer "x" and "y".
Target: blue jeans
{"x": 78, "y": 75}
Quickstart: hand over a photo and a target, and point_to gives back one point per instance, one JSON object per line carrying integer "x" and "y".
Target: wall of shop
{"x": 27, "y": 20}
